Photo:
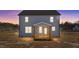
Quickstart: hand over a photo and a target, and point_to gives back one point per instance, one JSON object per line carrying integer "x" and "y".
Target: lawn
{"x": 9, "y": 39}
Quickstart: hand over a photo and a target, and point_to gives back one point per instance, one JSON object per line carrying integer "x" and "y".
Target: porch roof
{"x": 42, "y": 23}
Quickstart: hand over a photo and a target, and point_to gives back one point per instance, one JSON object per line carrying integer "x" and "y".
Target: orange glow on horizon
{"x": 10, "y": 21}
{"x": 6, "y": 20}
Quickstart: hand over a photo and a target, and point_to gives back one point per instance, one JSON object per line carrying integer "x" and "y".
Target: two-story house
{"x": 39, "y": 24}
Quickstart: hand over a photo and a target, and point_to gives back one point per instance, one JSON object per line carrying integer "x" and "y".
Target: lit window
{"x": 26, "y": 19}
{"x": 40, "y": 29}
{"x": 28, "y": 29}
{"x": 51, "y": 19}
{"x": 45, "y": 30}
{"x": 53, "y": 28}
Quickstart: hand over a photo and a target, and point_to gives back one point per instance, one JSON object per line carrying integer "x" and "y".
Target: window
{"x": 53, "y": 28}
{"x": 28, "y": 29}
{"x": 26, "y": 19}
{"x": 45, "y": 30}
{"x": 51, "y": 19}
{"x": 40, "y": 29}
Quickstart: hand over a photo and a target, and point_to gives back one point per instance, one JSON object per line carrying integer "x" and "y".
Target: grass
{"x": 10, "y": 39}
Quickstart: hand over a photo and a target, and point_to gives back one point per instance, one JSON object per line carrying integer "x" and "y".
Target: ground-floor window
{"x": 28, "y": 29}
{"x": 40, "y": 29}
{"x": 45, "y": 30}
{"x": 53, "y": 28}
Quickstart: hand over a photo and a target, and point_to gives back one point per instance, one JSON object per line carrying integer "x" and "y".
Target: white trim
{"x": 42, "y": 22}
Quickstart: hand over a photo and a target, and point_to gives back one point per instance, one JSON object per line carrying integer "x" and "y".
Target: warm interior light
{"x": 28, "y": 29}
{"x": 40, "y": 29}
{"x": 45, "y": 30}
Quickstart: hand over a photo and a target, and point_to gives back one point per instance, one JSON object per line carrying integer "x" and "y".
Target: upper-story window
{"x": 26, "y": 19}
{"x": 51, "y": 19}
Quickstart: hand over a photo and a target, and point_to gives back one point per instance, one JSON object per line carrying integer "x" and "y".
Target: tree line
{"x": 8, "y": 27}
{"x": 68, "y": 26}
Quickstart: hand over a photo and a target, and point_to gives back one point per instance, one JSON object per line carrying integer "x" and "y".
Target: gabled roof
{"x": 39, "y": 12}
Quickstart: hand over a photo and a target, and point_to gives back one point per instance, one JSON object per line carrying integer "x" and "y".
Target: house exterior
{"x": 39, "y": 24}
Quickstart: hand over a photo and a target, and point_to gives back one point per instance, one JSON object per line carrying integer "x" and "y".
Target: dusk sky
{"x": 11, "y": 16}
